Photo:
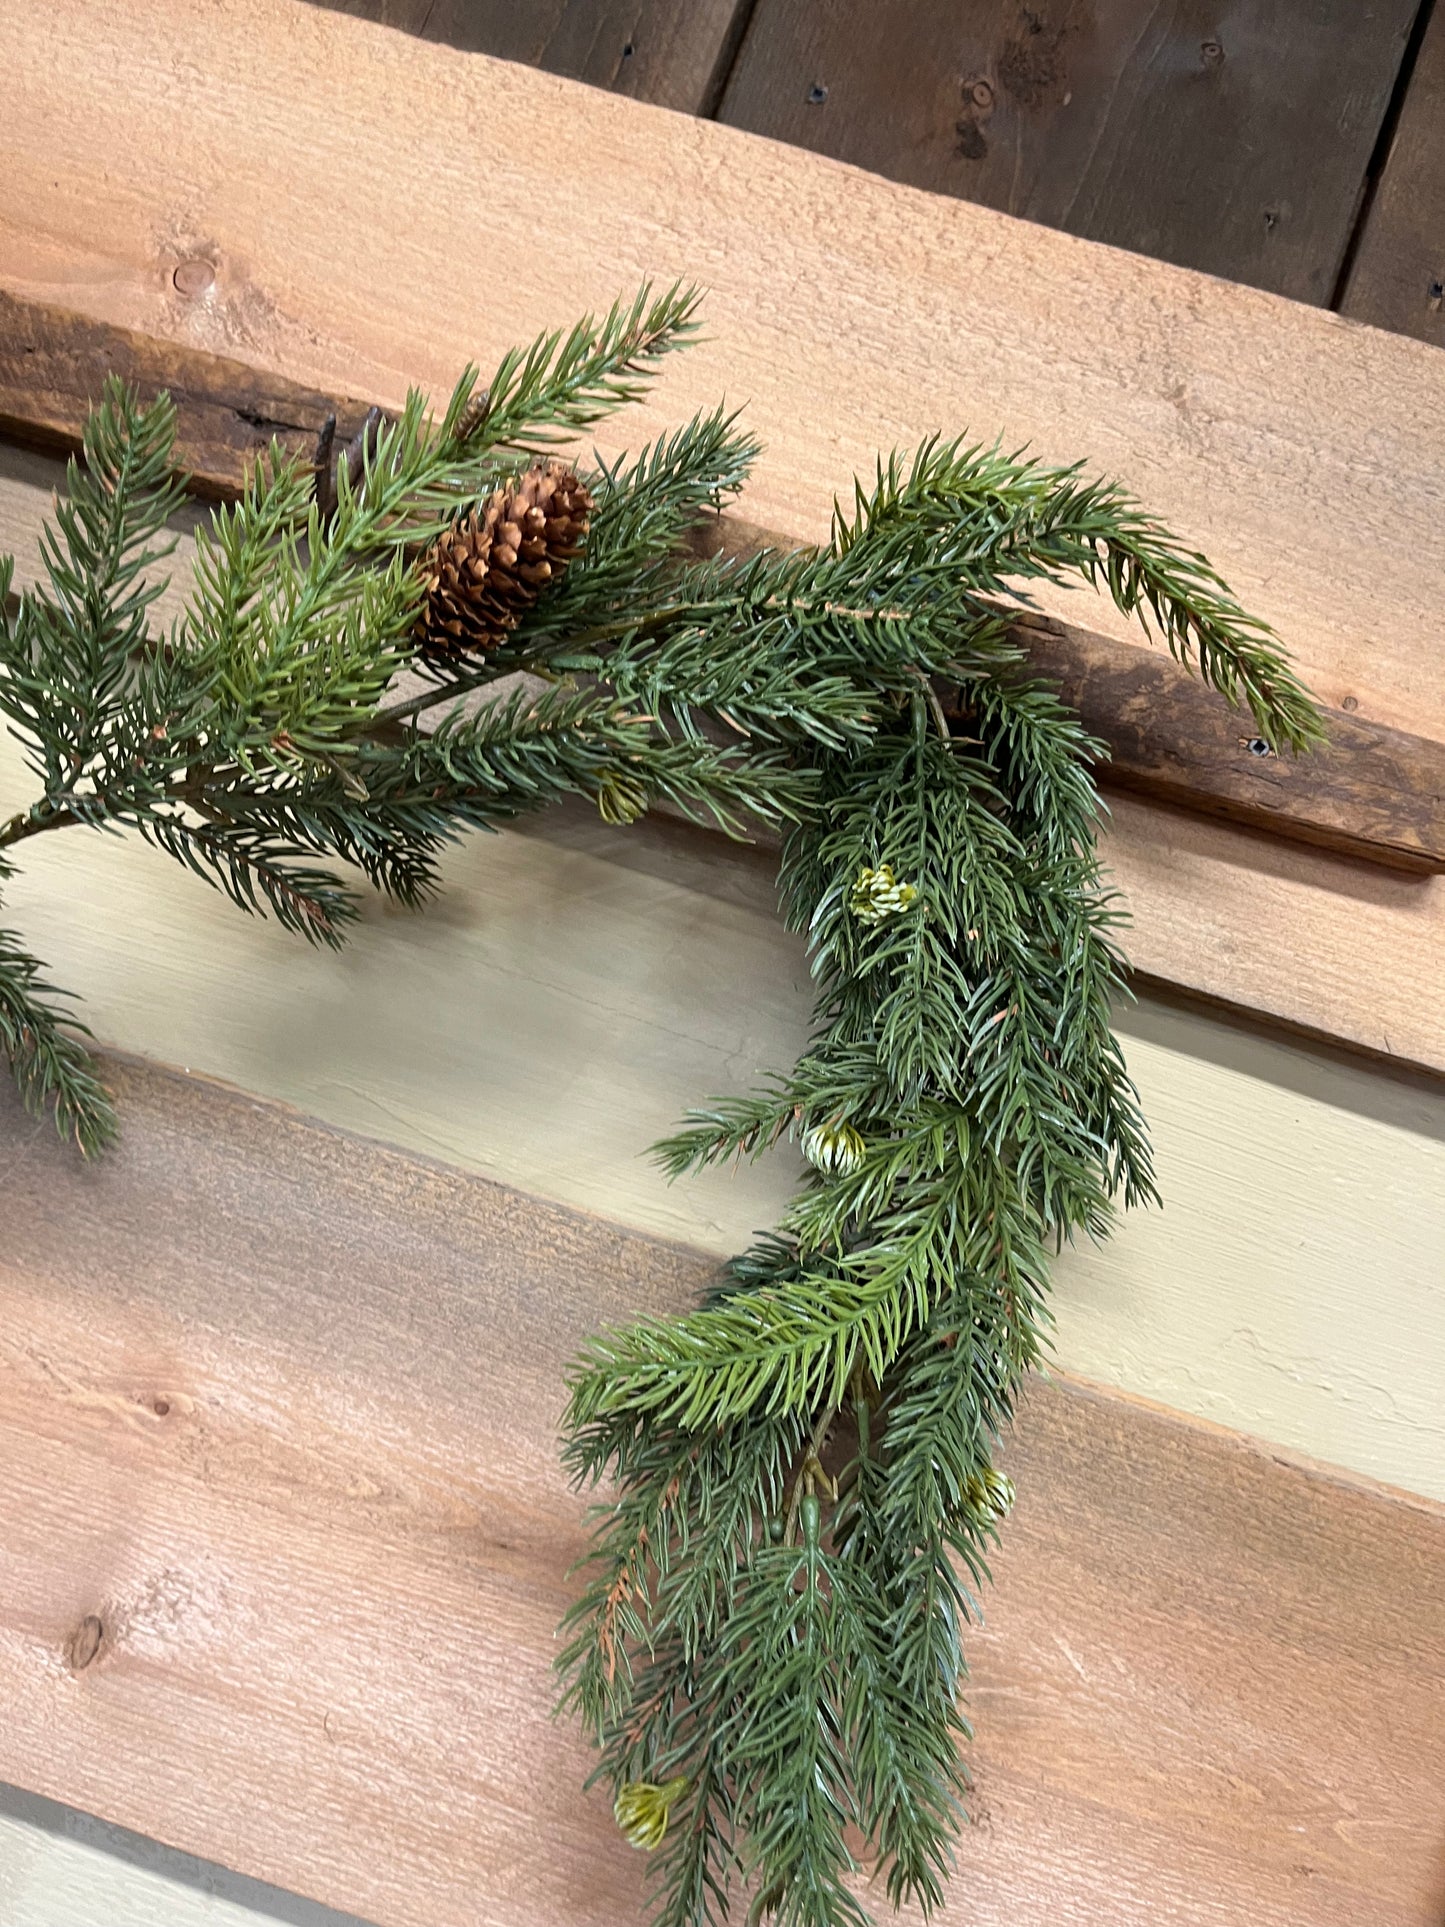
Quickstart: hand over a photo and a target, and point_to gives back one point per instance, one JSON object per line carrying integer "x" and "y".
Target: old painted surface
{"x": 283, "y": 1541}
{"x": 577, "y": 988}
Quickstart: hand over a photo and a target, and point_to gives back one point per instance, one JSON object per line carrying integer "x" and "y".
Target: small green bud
{"x": 990, "y": 1493}
{"x": 834, "y": 1149}
{"x": 775, "y": 1531}
{"x": 641, "y": 1810}
{"x": 621, "y": 798}
{"x": 877, "y": 894}
{"x": 810, "y": 1512}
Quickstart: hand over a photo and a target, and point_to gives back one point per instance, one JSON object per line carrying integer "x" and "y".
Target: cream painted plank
{"x": 576, "y": 988}
{"x": 59, "y": 1868}
{"x": 1344, "y": 948}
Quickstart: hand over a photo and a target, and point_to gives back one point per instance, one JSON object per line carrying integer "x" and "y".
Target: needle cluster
{"x": 799, "y": 1476}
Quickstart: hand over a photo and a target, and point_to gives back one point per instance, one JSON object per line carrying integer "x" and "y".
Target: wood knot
{"x": 84, "y": 1643}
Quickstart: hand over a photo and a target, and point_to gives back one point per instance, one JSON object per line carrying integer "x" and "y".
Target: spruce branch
{"x": 799, "y": 1481}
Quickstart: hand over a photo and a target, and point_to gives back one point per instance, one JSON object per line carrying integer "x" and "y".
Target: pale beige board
{"x": 277, "y": 1409}
{"x": 59, "y": 1868}
{"x": 576, "y": 988}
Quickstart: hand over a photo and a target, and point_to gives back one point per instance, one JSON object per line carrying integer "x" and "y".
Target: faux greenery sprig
{"x": 800, "y": 1480}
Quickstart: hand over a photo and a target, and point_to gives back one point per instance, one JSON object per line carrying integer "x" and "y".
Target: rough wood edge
{"x": 1374, "y": 793}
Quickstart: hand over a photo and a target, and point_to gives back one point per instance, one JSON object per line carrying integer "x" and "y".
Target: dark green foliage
{"x": 768, "y": 1645}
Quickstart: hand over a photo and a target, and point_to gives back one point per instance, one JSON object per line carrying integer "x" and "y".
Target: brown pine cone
{"x": 489, "y": 567}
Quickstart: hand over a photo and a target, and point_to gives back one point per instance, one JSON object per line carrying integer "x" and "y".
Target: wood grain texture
{"x": 1397, "y": 279}
{"x": 1234, "y": 140}
{"x": 1375, "y": 793}
{"x": 53, "y": 367}
{"x": 576, "y": 988}
{"x": 277, "y": 1410}
{"x": 1306, "y": 455}
{"x": 647, "y": 49}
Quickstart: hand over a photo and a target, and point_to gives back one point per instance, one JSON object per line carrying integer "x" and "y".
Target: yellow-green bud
{"x": 641, "y": 1810}
{"x": 878, "y": 894}
{"x": 621, "y": 798}
{"x": 991, "y": 1493}
{"x": 834, "y": 1149}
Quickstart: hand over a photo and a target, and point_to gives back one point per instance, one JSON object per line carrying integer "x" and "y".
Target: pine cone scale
{"x": 487, "y": 570}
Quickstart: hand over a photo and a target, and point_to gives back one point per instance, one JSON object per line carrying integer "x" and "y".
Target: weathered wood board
{"x": 675, "y": 56}
{"x": 283, "y": 1541}
{"x": 1372, "y": 792}
{"x": 1234, "y": 140}
{"x": 1306, "y": 455}
{"x": 1397, "y": 278}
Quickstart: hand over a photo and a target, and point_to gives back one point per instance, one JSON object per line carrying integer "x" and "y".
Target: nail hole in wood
{"x": 162, "y": 1408}
{"x": 194, "y": 277}
{"x": 628, "y": 51}
{"x": 1257, "y": 746}
{"x": 1351, "y": 704}
{"x": 84, "y": 1643}
{"x": 1437, "y": 296}
{"x": 817, "y": 94}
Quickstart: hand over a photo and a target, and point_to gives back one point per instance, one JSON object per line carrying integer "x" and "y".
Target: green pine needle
{"x": 767, "y": 1647}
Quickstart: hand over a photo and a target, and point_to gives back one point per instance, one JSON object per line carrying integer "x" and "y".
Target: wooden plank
{"x": 1397, "y": 279}
{"x": 1236, "y": 142}
{"x": 1304, "y": 455}
{"x": 577, "y": 988}
{"x": 278, "y": 1413}
{"x": 53, "y": 366}
{"x": 1375, "y": 793}
{"x": 647, "y": 49}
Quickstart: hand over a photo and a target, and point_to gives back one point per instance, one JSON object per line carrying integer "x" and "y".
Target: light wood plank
{"x": 277, "y": 1409}
{"x": 1371, "y": 792}
{"x": 1306, "y": 454}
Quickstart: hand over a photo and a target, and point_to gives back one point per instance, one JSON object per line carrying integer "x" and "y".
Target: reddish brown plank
{"x": 1234, "y": 140}
{"x": 278, "y": 1413}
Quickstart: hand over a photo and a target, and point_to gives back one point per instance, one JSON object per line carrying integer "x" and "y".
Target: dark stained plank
{"x": 1373, "y": 792}
{"x": 1376, "y": 793}
{"x": 1397, "y": 279}
{"x": 1233, "y": 139}
{"x": 675, "y": 56}
{"x": 283, "y": 1541}
{"x": 53, "y": 366}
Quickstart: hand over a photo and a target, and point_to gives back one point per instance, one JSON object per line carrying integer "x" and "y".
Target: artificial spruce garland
{"x": 800, "y": 1487}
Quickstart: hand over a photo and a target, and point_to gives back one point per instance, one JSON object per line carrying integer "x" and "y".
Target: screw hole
{"x": 817, "y": 94}
{"x": 628, "y": 51}
{"x": 1257, "y": 746}
{"x": 162, "y": 1408}
{"x": 1437, "y": 296}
